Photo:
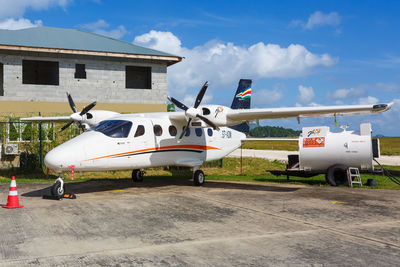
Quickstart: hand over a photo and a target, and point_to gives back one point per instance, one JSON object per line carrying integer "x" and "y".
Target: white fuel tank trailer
{"x": 323, "y": 151}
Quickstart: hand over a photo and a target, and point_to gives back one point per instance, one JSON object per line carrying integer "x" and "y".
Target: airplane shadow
{"x": 101, "y": 185}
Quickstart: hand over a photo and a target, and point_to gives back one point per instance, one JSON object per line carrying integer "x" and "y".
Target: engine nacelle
{"x": 94, "y": 117}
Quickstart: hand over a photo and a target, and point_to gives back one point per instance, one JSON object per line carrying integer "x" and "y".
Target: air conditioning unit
{"x": 11, "y": 149}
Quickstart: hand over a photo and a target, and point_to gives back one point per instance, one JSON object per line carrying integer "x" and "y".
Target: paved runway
{"x": 170, "y": 222}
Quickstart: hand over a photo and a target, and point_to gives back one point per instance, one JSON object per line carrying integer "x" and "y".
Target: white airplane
{"x": 189, "y": 138}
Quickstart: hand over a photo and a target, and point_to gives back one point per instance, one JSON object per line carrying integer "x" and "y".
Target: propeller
{"x": 193, "y": 112}
{"x": 77, "y": 117}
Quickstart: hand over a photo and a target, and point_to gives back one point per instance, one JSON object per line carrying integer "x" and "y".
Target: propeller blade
{"x": 80, "y": 125}
{"x": 87, "y": 108}
{"x": 200, "y": 95}
{"x": 66, "y": 126}
{"x": 210, "y": 123}
{"x": 71, "y": 102}
{"x": 178, "y": 104}
{"x": 184, "y": 129}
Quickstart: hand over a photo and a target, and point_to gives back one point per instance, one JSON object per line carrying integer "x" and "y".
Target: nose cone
{"x": 53, "y": 160}
{"x": 65, "y": 155}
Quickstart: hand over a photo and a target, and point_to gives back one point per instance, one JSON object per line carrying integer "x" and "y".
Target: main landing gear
{"x": 198, "y": 176}
{"x": 137, "y": 175}
{"x": 58, "y": 188}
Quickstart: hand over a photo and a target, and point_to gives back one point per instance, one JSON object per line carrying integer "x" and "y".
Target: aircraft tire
{"x": 137, "y": 175}
{"x": 336, "y": 175}
{"x": 198, "y": 178}
{"x": 57, "y": 190}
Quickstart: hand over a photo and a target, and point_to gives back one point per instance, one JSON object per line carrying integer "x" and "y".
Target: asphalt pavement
{"x": 170, "y": 222}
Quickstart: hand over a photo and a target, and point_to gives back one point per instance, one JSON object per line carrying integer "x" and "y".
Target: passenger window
{"x": 157, "y": 130}
{"x": 199, "y": 132}
{"x": 210, "y": 132}
{"x": 172, "y": 130}
{"x": 114, "y": 128}
{"x": 187, "y": 131}
{"x": 139, "y": 131}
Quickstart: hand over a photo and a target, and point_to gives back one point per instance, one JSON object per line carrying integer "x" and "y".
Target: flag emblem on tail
{"x": 245, "y": 94}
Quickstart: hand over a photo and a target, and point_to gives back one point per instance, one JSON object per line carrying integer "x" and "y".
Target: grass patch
{"x": 389, "y": 145}
{"x": 271, "y": 145}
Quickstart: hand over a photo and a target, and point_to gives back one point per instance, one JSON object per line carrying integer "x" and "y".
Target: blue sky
{"x": 297, "y": 52}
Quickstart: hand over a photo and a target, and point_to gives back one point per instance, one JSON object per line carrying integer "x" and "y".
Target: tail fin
{"x": 241, "y": 100}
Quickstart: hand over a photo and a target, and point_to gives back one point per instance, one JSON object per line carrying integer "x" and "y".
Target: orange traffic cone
{"x": 13, "y": 201}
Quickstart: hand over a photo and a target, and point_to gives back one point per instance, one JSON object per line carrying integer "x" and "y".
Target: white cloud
{"x": 17, "y": 24}
{"x": 347, "y": 93}
{"x": 160, "y": 41}
{"x": 317, "y": 19}
{"x": 391, "y": 87}
{"x": 17, "y": 8}
{"x": 369, "y": 100}
{"x": 102, "y": 27}
{"x": 189, "y": 99}
{"x": 264, "y": 97}
{"x": 222, "y": 64}
{"x": 306, "y": 95}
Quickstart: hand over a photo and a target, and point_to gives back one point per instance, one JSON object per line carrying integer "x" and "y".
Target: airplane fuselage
{"x": 127, "y": 142}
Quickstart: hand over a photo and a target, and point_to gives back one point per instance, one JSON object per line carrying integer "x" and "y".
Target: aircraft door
{"x": 158, "y": 133}
{"x": 143, "y": 137}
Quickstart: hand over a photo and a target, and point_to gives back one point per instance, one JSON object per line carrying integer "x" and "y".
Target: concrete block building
{"x": 39, "y": 65}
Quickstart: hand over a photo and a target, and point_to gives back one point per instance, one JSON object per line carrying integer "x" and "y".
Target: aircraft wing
{"x": 303, "y": 112}
{"x": 39, "y": 118}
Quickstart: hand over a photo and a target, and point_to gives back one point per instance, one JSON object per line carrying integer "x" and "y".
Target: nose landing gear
{"x": 58, "y": 188}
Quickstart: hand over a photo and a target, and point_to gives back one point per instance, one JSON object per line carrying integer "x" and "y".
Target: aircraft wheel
{"x": 57, "y": 190}
{"x": 198, "y": 178}
{"x": 336, "y": 175}
{"x": 137, "y": 175}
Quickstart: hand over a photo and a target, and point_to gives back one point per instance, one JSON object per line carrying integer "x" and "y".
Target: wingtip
{"x": 383, "y": 107}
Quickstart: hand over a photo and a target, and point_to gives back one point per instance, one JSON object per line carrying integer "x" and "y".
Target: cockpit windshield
{"x": 114, "y": 128}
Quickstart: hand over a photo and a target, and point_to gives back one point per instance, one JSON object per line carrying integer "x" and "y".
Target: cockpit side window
{"x": 114, "y": 128}
{"x": 139, "y": 131}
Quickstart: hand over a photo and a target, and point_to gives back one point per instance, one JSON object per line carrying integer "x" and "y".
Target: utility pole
{"x": 40, "y": 145}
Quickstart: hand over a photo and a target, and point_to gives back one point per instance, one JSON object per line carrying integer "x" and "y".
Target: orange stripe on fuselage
{"x": 199, "y": 147}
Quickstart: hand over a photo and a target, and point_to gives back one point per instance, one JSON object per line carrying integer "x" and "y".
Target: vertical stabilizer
{"x": 241, "y": 100}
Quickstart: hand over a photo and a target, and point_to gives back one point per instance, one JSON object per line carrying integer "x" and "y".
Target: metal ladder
{"x": 353, "y": 176}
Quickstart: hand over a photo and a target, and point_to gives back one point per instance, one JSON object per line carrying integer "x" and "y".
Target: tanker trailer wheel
{"x": 336, "y": 175}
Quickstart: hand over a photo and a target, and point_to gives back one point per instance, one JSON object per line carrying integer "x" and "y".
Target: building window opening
{"x": 80, "y": 71}
{"x": 137, "y": 77}
{"x": 40, "y": 72}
